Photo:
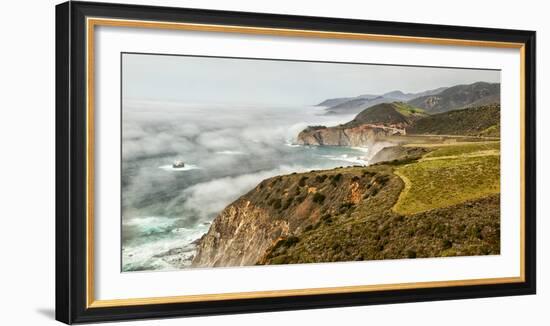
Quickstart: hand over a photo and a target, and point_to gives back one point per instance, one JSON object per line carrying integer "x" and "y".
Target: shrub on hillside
{"x": 318, "y": 198}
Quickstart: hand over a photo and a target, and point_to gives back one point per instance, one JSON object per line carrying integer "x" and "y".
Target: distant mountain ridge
{"x": 437, "y": 100}
{"x": 347, "y": 105}
{"x": 459, "y": 97}
{"x": 382, "y": 121}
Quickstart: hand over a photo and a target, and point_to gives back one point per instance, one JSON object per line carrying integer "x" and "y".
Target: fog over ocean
{"x": 227, "y": 151}
{"x": 229, "y": 148}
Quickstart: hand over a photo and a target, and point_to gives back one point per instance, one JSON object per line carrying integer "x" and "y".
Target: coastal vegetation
{"x": 428, "y": 202}
{"x": 474, "y": 121}
{"x": 432, "y": 101}
{"x": 440, "y": 180}
{"x": 432, "y": 191}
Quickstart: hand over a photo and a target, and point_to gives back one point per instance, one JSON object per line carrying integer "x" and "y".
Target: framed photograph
{"x": 212, "y": 162}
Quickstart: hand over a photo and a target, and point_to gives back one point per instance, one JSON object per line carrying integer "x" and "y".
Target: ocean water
{"x": 227, "y": 151}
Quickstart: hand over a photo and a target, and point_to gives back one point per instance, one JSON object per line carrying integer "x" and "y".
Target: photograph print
{"x": 232, "y": 162}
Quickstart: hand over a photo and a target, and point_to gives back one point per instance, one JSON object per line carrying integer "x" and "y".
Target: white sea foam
{"x": 362, "y": 149}
{"x": 158, "y": 130}
{"x": 150, "y": 223}
{"x": 161, "y": 252}
{"x": 187, "y": 167}
{"x": 229, "y": 152}
{"x": 349, "y": 159}
{"x": 292, "y": 145}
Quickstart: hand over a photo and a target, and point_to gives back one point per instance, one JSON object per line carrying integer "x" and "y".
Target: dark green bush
{"x": 320, "y": 178}
{"x": 399, "y": 218}
{"x": 447, "y": 244}
{"x": 403, "y": 161}
{"x": 475, "y": 231}
{"x": 288, "y": 203}
{"x": 318, "y": 198}
{"x": 382, "y": 179}
{"x": 279, "y": 260}
{"x": 291, "y": 240}
{"x": 346, "y": 206}
{"x": 368, "y": 174}
{"x": 277, "y": 203}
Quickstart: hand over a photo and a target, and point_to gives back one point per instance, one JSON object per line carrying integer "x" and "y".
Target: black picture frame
{"x": 71, "y": 158}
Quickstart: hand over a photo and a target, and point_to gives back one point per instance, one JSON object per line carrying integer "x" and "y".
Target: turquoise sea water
{"x": 227, "y": 152}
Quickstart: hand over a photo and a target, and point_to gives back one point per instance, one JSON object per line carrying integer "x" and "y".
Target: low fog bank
{"x": 233, "y": 149}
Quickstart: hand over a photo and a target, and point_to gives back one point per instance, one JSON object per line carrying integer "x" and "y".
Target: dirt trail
{"x": 405, "y": 190}
{"x": 490, "y": 152}
{"x": 449, "y": 144}
{"x": 408, "y": 183}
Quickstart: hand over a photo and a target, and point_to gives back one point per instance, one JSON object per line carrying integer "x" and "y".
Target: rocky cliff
{"x": 379, "y": 123}
{"x": 368, "y": 127}
{"x": 364, "y": 135}
{"x": 349, "y": 214}
{"x": 281, "y": 208}
{"x": 365, "y": 213}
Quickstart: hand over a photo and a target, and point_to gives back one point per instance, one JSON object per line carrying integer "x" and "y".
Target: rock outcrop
{"x": 383, "y": 121}
{"x": 364, "y": 135}
{"x": 279, "y": 209}
{"x": 369, "y": 126}
{"x": 240, "y": 235}
{"x": 348, "y": 214}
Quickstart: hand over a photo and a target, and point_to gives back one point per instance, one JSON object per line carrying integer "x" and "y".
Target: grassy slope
{"x": 409, "y": 110}
{"x": 475, "y": 121}
{"x": 460, "y": 96}
{"x": 450, "y": 207}
{"x": 449, "y": 175}
{"x": 388, "y": 114}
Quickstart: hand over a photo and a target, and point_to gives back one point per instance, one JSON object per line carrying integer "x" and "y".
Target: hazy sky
{"x": 246, "y": 81}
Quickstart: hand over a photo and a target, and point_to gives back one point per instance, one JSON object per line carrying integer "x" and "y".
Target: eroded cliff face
{"x": 239, "y": 235}
{"x": 278, "y": 209}
{"x": 345, "y": 214}
{"x": 360, "y": 136}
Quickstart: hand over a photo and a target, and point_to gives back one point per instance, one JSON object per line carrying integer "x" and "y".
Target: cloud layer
{"x": 233, "y": 148}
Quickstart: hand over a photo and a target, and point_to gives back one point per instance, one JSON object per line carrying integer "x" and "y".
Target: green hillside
{"x": 396, "y": 113}
{"x": 458, "y": 97}
{"x": 444, "y": 202}
{"x": 476, "y": 121}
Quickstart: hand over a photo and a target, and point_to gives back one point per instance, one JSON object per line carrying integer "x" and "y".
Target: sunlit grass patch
{"x": 439, "y": 183}
{"x": 409, "y": 110}
{"x": 464, "y": 149}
